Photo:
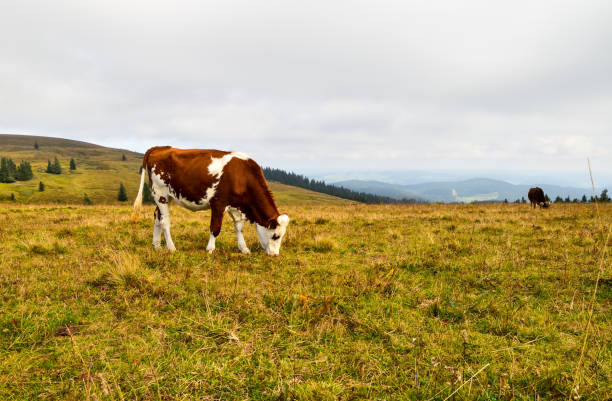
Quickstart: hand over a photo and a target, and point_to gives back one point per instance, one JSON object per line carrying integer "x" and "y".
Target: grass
{"x": 364, "y": 302}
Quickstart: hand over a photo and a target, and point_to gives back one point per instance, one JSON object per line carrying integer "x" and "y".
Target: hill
{"x": 99, "y": 172}
{"x": 301, "y": 181}
{"x": 476, "y": 189}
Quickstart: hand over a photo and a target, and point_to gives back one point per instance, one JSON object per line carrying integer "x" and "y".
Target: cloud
{"x": 368, "y": 85}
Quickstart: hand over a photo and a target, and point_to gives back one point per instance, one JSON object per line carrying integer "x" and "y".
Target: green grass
{"x": 99, "y": 172}
{"x": 364, "y": 302}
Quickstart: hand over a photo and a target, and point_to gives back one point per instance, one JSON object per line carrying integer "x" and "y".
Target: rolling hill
{"x": 476, "y": 189}
{"x": 99, "y": 172}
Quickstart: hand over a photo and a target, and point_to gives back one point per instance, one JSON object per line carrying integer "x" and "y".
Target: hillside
{"x": 99, "y": 172}
{"x": 476, "y": 189}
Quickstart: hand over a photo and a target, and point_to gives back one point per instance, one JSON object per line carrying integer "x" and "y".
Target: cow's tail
{"x": 138, "y": 201}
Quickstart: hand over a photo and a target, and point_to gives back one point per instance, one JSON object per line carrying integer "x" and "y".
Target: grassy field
{"x": 364, "y": 302}
{"x": 99, "y": 172}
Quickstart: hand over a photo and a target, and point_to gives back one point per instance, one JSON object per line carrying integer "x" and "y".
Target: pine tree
{"x": 41, "y": 186}
{"x": 122, "y": 195}
{"x": 24, "y": 171}
{"x": 558, "y": 199}
{"x": 604, "y": 196}
{"x": 123, "y": 158}
{"x": 147, "y": 197}
{"x": 12, "y": 197}
{"x": 584, "y": 199}
{"x": 8, "y": 170}
{"x": 36, "y": 145}
{"x": 57, "y": 167}
{"x": 86, "y": 200}
{"x": 523, "y": 199}
{"x": 72, "y": 164}
{"x": 567, "y": 200}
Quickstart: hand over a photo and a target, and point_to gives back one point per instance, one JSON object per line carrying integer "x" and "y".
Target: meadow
{"x": 487, "y": 302}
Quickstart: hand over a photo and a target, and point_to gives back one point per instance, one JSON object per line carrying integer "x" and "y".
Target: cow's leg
{"x": 164, "y": 210}
{"x": 238, "y": 224}
{"x": 216, "y": 219}
{"x": 157, "y": 228}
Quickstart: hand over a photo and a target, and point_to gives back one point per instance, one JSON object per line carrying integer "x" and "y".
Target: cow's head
{"x": 545, "y": 204}
{"x": 270, "y": 237}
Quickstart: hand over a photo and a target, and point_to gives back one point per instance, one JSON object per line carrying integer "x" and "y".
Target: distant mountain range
{"x": 475, "y": 189}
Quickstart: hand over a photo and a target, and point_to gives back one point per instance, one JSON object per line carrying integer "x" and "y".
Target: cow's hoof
{"x": 210, "y": 250}
{"x": 245, "y": 251}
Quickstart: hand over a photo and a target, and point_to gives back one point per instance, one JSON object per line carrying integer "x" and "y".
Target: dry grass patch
{"x": 364, "y": 302}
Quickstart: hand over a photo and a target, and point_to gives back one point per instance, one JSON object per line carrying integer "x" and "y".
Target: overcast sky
{"x": 319, "y": 84}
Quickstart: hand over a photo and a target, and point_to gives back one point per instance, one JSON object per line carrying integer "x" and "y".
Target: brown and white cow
{"x": 199, "y": 179}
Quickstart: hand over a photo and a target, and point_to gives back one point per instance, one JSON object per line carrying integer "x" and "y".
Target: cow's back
{"x": 536, "y": 194}
{"x": 185, "y": 171}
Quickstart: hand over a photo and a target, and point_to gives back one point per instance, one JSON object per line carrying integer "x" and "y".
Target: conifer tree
{"x": 72, "y": 164}
{"x": 41, "y": 186}
{"x": 86, "y": 200}
{"x": 584, "y": 199}
{"x": 122, "y": 195}
{"x": 123, "y": 158}
{"x": 147, "y": 197}
{"x": 36, "y": 145}
{"x": 57, "y": 167}
{"x": 24, "y": 171}
{"x": 8, "y": 170}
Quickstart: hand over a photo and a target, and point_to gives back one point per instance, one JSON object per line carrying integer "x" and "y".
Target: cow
{"x": 200, "y": 179}
{"x": 536, "y": 197}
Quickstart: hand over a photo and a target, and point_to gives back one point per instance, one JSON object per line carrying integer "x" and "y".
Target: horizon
{"x": 401, "y": 177}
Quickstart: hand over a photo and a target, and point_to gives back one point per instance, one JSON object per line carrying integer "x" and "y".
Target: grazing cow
{"x": 200, "y": 179}
{"x": 536, "y": 197}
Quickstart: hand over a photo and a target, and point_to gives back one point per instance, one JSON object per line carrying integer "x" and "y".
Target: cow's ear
{"x": 272, "y": 224}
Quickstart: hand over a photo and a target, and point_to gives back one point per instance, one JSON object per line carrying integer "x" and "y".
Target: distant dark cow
{"x": 536, "y": 197}
{"x": 200, "y": 179}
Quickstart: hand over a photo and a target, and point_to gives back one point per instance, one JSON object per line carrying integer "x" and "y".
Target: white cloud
{"x": 363, "y": 84}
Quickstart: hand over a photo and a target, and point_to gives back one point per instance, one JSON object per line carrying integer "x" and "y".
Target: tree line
{"x": 603, "y": 197}
{"x": 301, "y": 181}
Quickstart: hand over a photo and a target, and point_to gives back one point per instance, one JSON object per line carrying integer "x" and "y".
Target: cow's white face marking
{"x": 270, "y": 240}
